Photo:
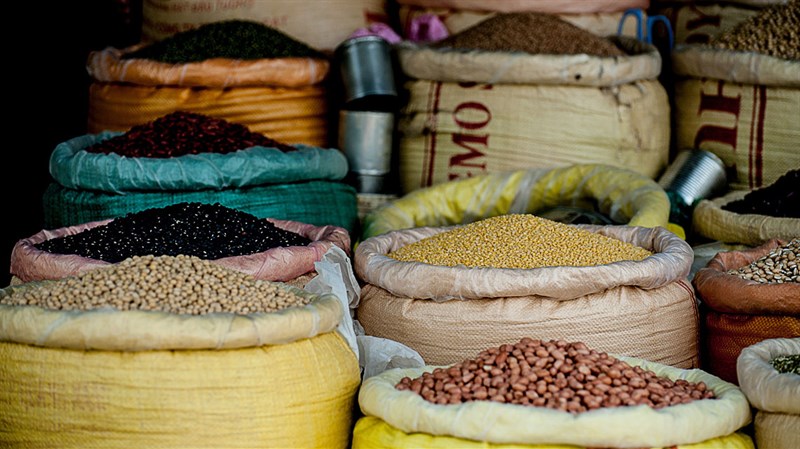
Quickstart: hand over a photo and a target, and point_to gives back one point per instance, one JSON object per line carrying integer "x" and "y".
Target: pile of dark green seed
{"x": 207, "y": 231}
{"x": 232, "y": 39}
{"x": 786, "y": 363}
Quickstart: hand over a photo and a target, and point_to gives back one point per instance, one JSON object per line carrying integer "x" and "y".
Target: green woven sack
{"x": 73, "y": 167}
{"x": 314, "y": 202}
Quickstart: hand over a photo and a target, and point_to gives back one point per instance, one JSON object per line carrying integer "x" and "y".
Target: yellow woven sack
{"x": 411, "y": 421}
{"x": 624, "y": 195}
{"x": 111, "y": 379}
{"x": 289, "y": 115}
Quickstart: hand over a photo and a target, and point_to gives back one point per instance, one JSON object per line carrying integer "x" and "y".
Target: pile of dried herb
{"x": 232, "y": 39}
{"x": 786, "y": 363}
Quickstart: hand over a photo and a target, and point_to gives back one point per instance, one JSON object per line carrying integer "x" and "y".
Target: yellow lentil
{"x": 176, "y": 284}
{"x": 518, "y": 241}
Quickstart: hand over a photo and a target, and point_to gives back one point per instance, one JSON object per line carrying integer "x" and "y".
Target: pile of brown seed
{"x": 518, "y": 241}
{"x": 777, "y": 267}
{"x": 774, "y": 31}
{"x": 534, "y": 33}
{"x": 553, "y": 374}
{"x": 175, "y": 284}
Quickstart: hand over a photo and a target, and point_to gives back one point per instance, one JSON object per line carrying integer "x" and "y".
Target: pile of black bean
{"x": 180, "y": 133}
{"x": 207, "y": 231}
{"x": 779, "y": 199}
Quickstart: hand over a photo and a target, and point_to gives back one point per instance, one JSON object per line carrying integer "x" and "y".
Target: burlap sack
{"x": 643, "y": 309}
{"x": 277, "y": 264}
{"x": 108, "y": 66}
{"x": 742, "y": 106}
{"x": 775, "y": 395}
{"x": 115, "y": 379}
{"x": 322, "y": 26}
{"x": 711, "y": 221}
{"x": 289, "y": 115}
{"x": 411, "y": 421}
{"x": 738, "y": 312}
{"x": 697, "y": 23}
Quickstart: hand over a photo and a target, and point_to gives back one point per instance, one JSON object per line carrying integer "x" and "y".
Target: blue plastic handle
{"x": 644, "y": 28}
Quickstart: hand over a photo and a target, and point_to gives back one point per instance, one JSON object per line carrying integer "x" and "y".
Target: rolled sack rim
{"x": 108, "y": 329}
{"x": 671, "y": 262}
{"x": 765, "y": 387}
{"x": 500, "y": 423}
{"x": 747, "y": 67}
{"x": 643, "y": 62}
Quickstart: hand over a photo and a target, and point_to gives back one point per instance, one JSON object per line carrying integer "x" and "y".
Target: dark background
{"x": 46, "y": 87}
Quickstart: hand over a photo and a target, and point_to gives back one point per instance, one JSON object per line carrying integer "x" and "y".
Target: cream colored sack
{"x": 452, "y": 131}
{"x": 697, "y": 23}
{"x": 72, "y": 379}
{"x": 775, "y": 395}
{"x": 711, "y": 221}
{"x": 508, "y": 424}
{"x": 643, "y": 309}
{"x": 544, "y": 6}
{"x": 743, "y": 107}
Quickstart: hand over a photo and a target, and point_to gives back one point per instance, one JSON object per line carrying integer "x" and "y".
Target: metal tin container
{"x": 366, "y": 68}
{"x": 695, "y": 175}
{"x": 365, "y": 137}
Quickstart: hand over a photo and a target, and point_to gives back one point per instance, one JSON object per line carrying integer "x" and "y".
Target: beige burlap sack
{"x": 711, "y": 221}
{"x": 29, "y": 263}
{"x": 544, "y": 6}
{"x": 697, "y": 23}
{"x": 322, "y": 26}
{"x": 775, "y": 395}
{"x": 743, "y": 107}
{"x": 641, "y": 309}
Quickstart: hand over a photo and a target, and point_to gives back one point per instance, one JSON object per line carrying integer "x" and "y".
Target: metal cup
{"x": 366, "y": 139}
{"x": 366, "y": 68}
{"x": 694, "y": 175}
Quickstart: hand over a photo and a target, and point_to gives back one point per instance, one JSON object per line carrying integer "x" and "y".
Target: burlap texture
{"x": 710, "y": 220}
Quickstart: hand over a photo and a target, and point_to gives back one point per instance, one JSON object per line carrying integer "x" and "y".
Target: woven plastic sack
{"x": 451, "y": 130}
{"x": 75, "y": 168}
{"x": 108, "y": 65}
{"x": 490, "y": 424}
{"x": 544, "y": 6}
{"x": 627, "y": 197}
{"x": 317, "y": 203}
{"x": 741, "y": 106}
{"x": 276, "y": 264}
{"x": 711, "y": 221}
{"x": 637, "y": 308}
{"x": 642, "y": 62}
{"x": 775, "y": 395}
{"x": 153, "y": 379}
{"x": 290, "y": 115}
{"x": 698, "y": 23}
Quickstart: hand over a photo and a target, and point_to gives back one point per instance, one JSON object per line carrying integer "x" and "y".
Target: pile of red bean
{"x": 554, "y": 374}
{"x": 181, "y": 133}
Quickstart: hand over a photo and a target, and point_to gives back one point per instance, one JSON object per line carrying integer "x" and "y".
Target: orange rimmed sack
{"x": 737, "y": 312}
{"x": 276, "y": 264}
{"x": 107, "y": 65}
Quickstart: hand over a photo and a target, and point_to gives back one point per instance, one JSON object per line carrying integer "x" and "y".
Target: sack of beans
{"x": 739, "y": 95}
{"x": 752, "y": 217}
{"x": 698, "y": 22}
{"x": 447, "y": 291}
{"x": 626, "y": 197}
{"x": 322, "y": 28}
{"x": 318, "y": 203}
{"x": 244, "y": 71}
{"x": 768, "y": 375}
{"x": 188, "y": 151}
{"x": 528, "y": 90}
{"x": 747, "y": 296}
{"x": 268, "y": 249}
{"x": 540, "y": 393}
{"x": 173, "y": 352}
{"x": 601, "y": 18}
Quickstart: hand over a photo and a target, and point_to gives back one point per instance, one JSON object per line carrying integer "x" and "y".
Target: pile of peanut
{"x": 777, "y": 267}
{"x": 554, "y": 374}
{"x": 176, "y": 284}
